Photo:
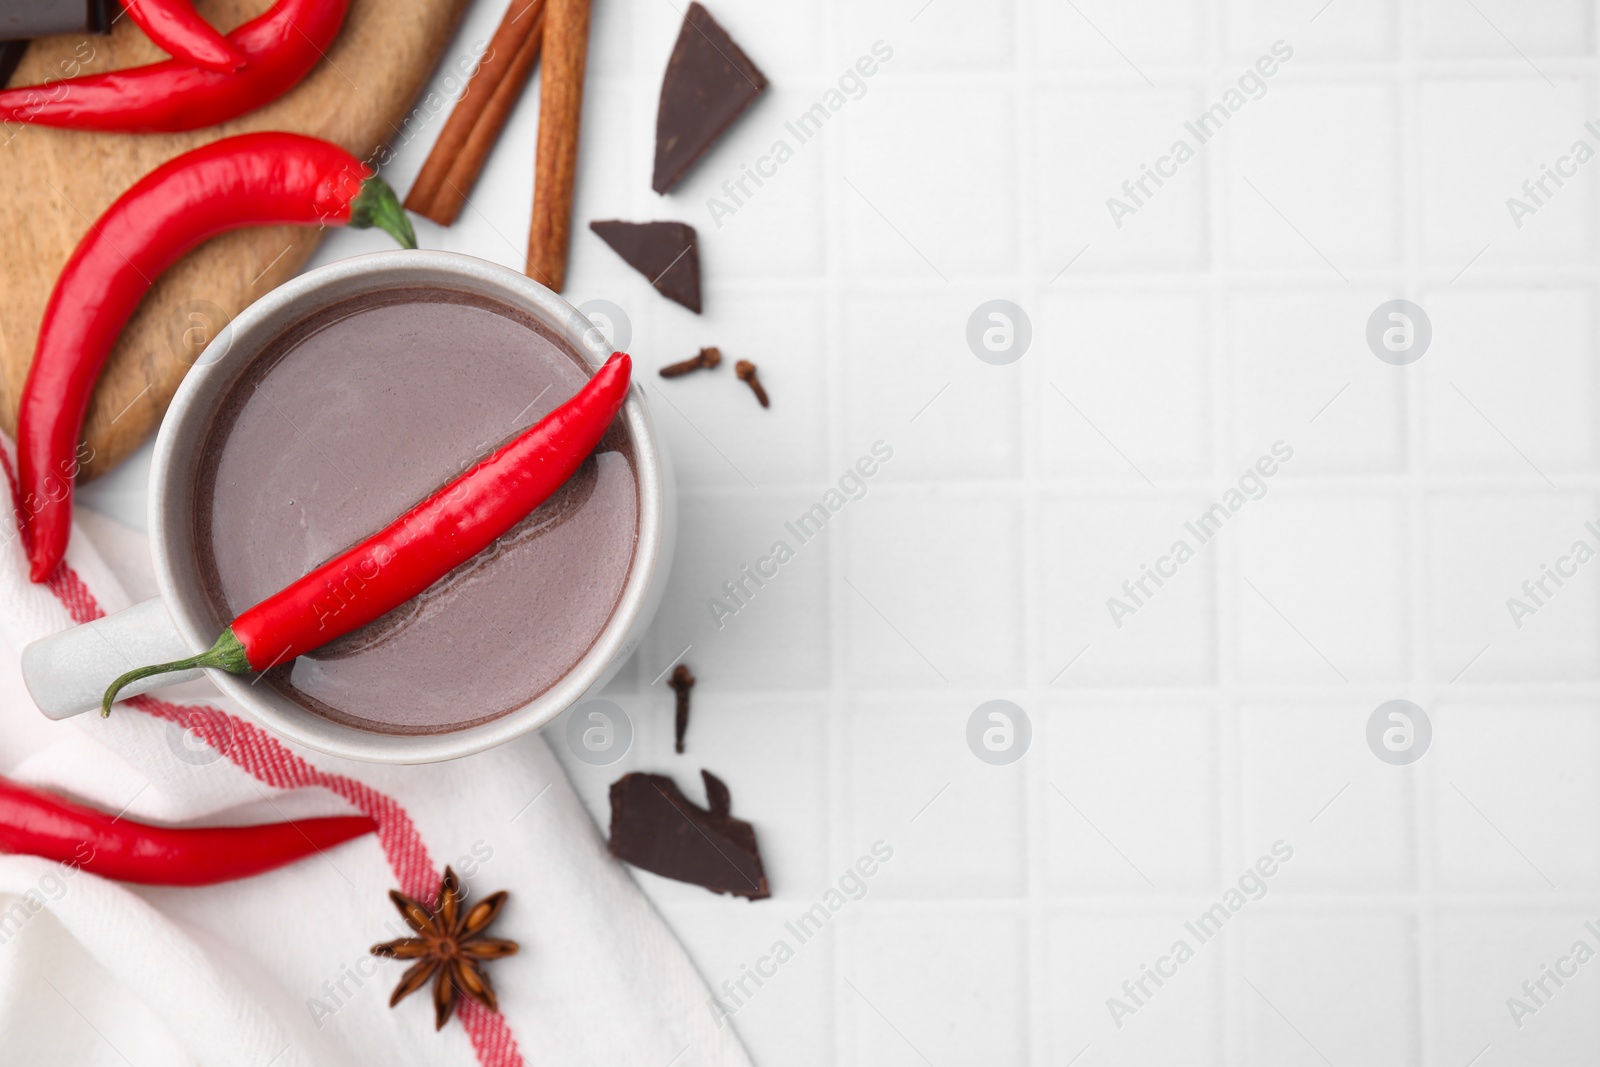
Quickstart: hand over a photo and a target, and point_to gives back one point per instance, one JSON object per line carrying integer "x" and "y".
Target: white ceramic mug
{"x": 67, "y": 672}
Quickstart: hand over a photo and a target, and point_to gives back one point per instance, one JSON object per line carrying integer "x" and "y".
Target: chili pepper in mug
{"x": 449, "y": 527}
{"x": 36, "y": 823}
{"x": 281, "y": 48}
{"x": 256, "y": 179}
{"x": 182, "y": 34}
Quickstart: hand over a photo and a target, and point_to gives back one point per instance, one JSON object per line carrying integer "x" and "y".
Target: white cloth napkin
{"x": 274, "y": 970}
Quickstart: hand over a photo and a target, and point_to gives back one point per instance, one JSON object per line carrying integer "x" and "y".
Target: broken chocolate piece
{"x": 656, "y": 828}
{"x": 709, "y": 82}
{"x": 10, "y": 55}
{"x": 664, "y": 252}
{"x": 22, "y": 19}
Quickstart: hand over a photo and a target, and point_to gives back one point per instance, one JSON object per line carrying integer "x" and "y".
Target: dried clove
{"x": 747, "y": 373}
{"x": 708, "y": 358}
{"x": 682, "y": 681}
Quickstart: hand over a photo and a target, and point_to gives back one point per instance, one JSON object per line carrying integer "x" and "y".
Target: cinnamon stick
{"x": 474, "y": 154}
{"x": 566, "y": 47}
{"x": 458, "y": 156}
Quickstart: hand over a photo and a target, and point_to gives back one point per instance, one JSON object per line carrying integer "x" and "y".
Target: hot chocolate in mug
{"x": 322, "y": 412}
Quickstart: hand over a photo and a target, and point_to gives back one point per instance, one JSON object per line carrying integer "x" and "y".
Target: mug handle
{"x": 67, "y": 673}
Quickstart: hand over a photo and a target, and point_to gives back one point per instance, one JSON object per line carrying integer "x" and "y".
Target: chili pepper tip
{"x": 228, "y": 653}
{"x": 377, "y": 205}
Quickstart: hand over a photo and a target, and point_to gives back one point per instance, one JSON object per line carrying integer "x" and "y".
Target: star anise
{"x": 449, "y": 948}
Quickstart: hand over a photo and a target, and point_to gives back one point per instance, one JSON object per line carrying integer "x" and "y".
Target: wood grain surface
{"x": 54, "y": 183}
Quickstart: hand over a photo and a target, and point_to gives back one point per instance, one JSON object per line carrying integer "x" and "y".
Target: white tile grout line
{"x": 1421, "y": 793}
{"x": 1030, "y": 288}
{"x": 1228, "y": 831}
{"x": 837, "y": 843}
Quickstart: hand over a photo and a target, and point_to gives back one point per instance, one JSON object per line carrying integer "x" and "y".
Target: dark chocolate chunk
{"x": 10, "y": 55}
{"x": 656, "y": 828}
{"x": 22, "y": 19}
{"x": 664, "y": 252}
{"x": 709, "y": 82}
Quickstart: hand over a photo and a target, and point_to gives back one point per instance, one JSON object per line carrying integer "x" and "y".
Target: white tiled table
{"x": 1227, "y": 314}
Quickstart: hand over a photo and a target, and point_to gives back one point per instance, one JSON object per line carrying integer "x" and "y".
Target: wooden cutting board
{"x": 54, "y": 182}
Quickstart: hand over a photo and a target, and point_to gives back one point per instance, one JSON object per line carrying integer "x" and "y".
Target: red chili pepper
{"x": 445, "y": 530}
{"x": 257, "y": 179}
{"x": 36, "y": 823}
{"x": 182, "y": 34}
{"x": 281, "y": 46}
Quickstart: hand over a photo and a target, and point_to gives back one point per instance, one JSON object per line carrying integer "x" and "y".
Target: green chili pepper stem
{"x": 377, "y": 205}
{"x": 228, "y": 653}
